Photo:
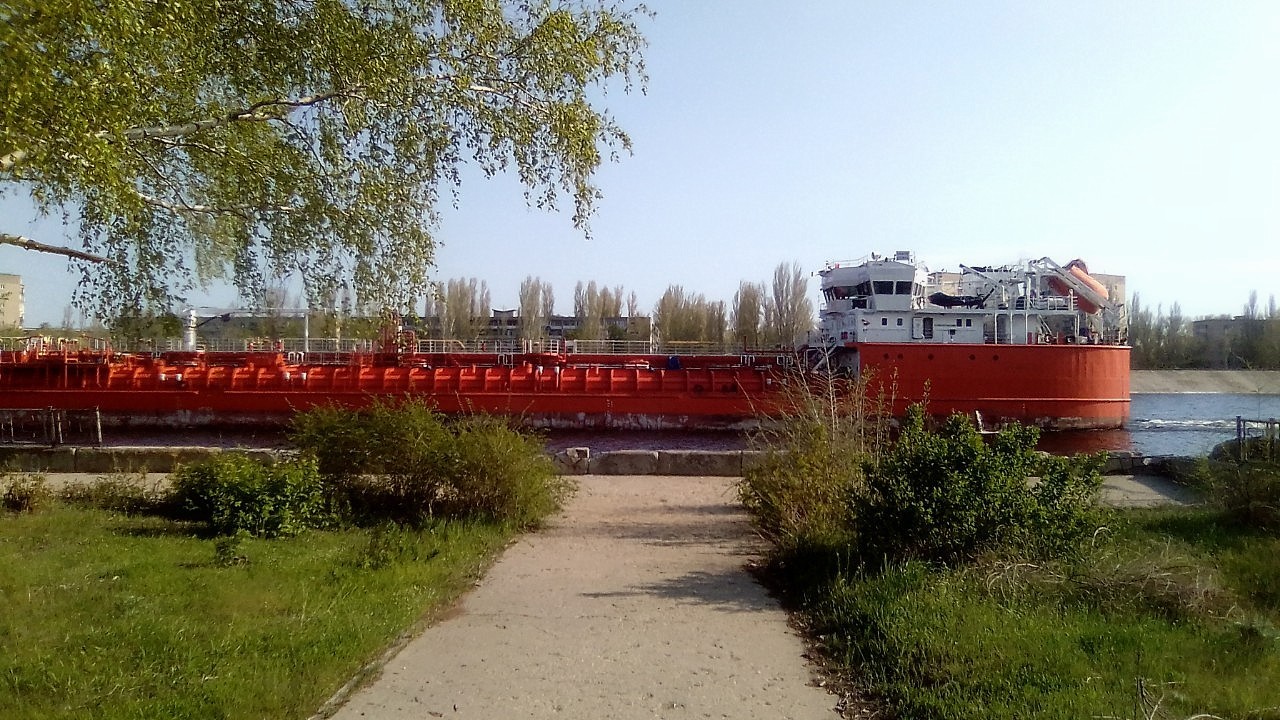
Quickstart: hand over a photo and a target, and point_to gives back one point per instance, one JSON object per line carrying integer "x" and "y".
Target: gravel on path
{"x": 634, "y": 603}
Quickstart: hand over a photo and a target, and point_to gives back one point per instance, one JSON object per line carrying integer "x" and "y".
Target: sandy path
{"x": 632, "y": 604}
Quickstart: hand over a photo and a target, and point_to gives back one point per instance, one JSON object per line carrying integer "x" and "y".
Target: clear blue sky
{"x": 1143, "y": 137}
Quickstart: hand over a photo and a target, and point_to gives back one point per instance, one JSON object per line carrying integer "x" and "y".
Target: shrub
{"x": 25, "y": 493}
{"x": 401, "y": 461}
{"x": 1248, "y": 493}
{"x": 119, "y": 493}
{"x": 948, "y": 495}
{"x": 501, "y": 474}
{"x": 810, "y": 468}
{"x": 231, "y": 493}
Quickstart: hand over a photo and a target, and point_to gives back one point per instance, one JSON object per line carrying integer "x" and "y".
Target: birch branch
{"x": 29, "y": 244}
{"x": 257, "y": 112}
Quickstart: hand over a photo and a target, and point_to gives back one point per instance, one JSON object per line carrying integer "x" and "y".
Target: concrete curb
{"x": 573, "y": 461}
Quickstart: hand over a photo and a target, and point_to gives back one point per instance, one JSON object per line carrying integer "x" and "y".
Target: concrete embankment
{"x": 573, "y": 461}
{"x": 1265, "y": 382}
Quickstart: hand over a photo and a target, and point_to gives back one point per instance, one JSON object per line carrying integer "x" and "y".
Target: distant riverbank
{"x": 1242, "y": 382}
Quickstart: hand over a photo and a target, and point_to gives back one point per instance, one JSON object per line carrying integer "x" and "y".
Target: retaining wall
{"x": 573, "y": 461}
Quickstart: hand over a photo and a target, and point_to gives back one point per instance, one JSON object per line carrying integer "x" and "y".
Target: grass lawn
{"x": 1172, "y": 613}
{"x": 112, "y": 616}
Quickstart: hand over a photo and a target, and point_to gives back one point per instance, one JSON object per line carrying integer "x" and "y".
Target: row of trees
{"x": 762, "y": 314}
{"x": 1163, "y": 340}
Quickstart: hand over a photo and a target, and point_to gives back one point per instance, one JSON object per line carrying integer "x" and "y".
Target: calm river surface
{"x": 1160, "y": 424}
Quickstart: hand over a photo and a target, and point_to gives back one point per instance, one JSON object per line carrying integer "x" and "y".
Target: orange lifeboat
{"x": 1080, "y": 271}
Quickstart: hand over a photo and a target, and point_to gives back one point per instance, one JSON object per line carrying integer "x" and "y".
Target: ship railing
{"x": 1046, "y": 302}
{"x": 315, "y": 347}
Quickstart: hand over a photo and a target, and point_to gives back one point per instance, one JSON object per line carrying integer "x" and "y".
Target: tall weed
{"x": 1247, "y": 492}
{"x": 24, "y": 492}
{"x": 810, "y": 469}
{"x": 233, "y": 493}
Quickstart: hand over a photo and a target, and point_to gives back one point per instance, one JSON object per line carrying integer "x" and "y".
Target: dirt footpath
{"x": 633, "y": 604}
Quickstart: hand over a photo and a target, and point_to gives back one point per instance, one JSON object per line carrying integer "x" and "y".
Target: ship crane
{"x": 1002, "y": 283}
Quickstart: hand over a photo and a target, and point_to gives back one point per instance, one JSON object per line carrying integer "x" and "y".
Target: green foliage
{"x": 1160, "y": 618}
{"x": 400, "y": 461}
{"x": 24, "y": 492}
{"x": 1248, "y": 492}
{"x": 497, "y": 473}
{"x": 123, "y": 617}
{"x": 233, "y": 493}
{"x": 228, "y": 550}
{"x": 810, "y": 470}
{"x": 270, "y": 138}
{"x": 949, "y": 496}
{"x": 120, "y": 493}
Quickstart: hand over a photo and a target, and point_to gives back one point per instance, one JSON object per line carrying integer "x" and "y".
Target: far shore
{"x": 1262, "y": 382}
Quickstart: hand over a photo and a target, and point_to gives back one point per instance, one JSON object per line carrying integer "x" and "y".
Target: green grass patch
{"x": 117, "y": 616}
{"x": 1170, "y": 613}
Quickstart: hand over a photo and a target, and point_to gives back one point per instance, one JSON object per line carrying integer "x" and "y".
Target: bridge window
{"x": 902, "y": 287}
{"x": 883, "y": 287}
{"x": 899, "y": 322}
{"x": 884, "y": 321}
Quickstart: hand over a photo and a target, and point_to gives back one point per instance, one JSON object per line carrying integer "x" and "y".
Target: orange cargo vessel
{"x": 1036, "y": 343}
{"x": 541, "y": 389}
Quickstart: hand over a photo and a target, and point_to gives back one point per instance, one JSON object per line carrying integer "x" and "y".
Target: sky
{"x": 1142, "y": 137}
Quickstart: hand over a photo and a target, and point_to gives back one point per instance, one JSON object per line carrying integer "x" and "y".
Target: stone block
{"x": 625, "y": 462}
{"x": 572, "y": 461}
{"x": 700, "y": 462}
{"x": 38, "y": 459}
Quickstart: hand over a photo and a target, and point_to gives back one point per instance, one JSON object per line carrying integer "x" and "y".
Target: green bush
{"x": 949, "y": 495}
{"x": 25, "y": 493}
{"x": 810, "y": 468}
{"x": 401, "y": 461}
{"x": 232, "y": 493}
{"x": 501, "y": 474}
{"x": 1248, "y": 492}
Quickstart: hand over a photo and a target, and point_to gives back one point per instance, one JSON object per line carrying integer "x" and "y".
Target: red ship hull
{"x": 180, "y": 389}
{"x": 1060, "y": 386}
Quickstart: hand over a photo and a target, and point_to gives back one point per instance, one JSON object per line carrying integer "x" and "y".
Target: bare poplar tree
{"x": 533, "y": 315}
{"x": 466, "y": 308}
{"x": 789, "y": 312}
{"x": 747, "y": 317}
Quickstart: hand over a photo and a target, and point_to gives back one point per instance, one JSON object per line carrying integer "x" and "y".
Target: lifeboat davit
{"x": 1080, "y": 272}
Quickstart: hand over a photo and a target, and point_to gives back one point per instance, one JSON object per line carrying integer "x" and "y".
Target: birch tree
{"x": 185, "y": 141}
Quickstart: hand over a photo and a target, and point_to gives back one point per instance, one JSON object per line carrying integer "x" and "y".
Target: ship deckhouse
{"x": 893, "y": 299}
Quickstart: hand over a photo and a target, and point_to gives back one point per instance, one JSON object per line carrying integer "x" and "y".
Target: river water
{"x": 1160, "y": 424}
{"x": 1188, "y": 424}
{"x": 1172, "y": 424}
